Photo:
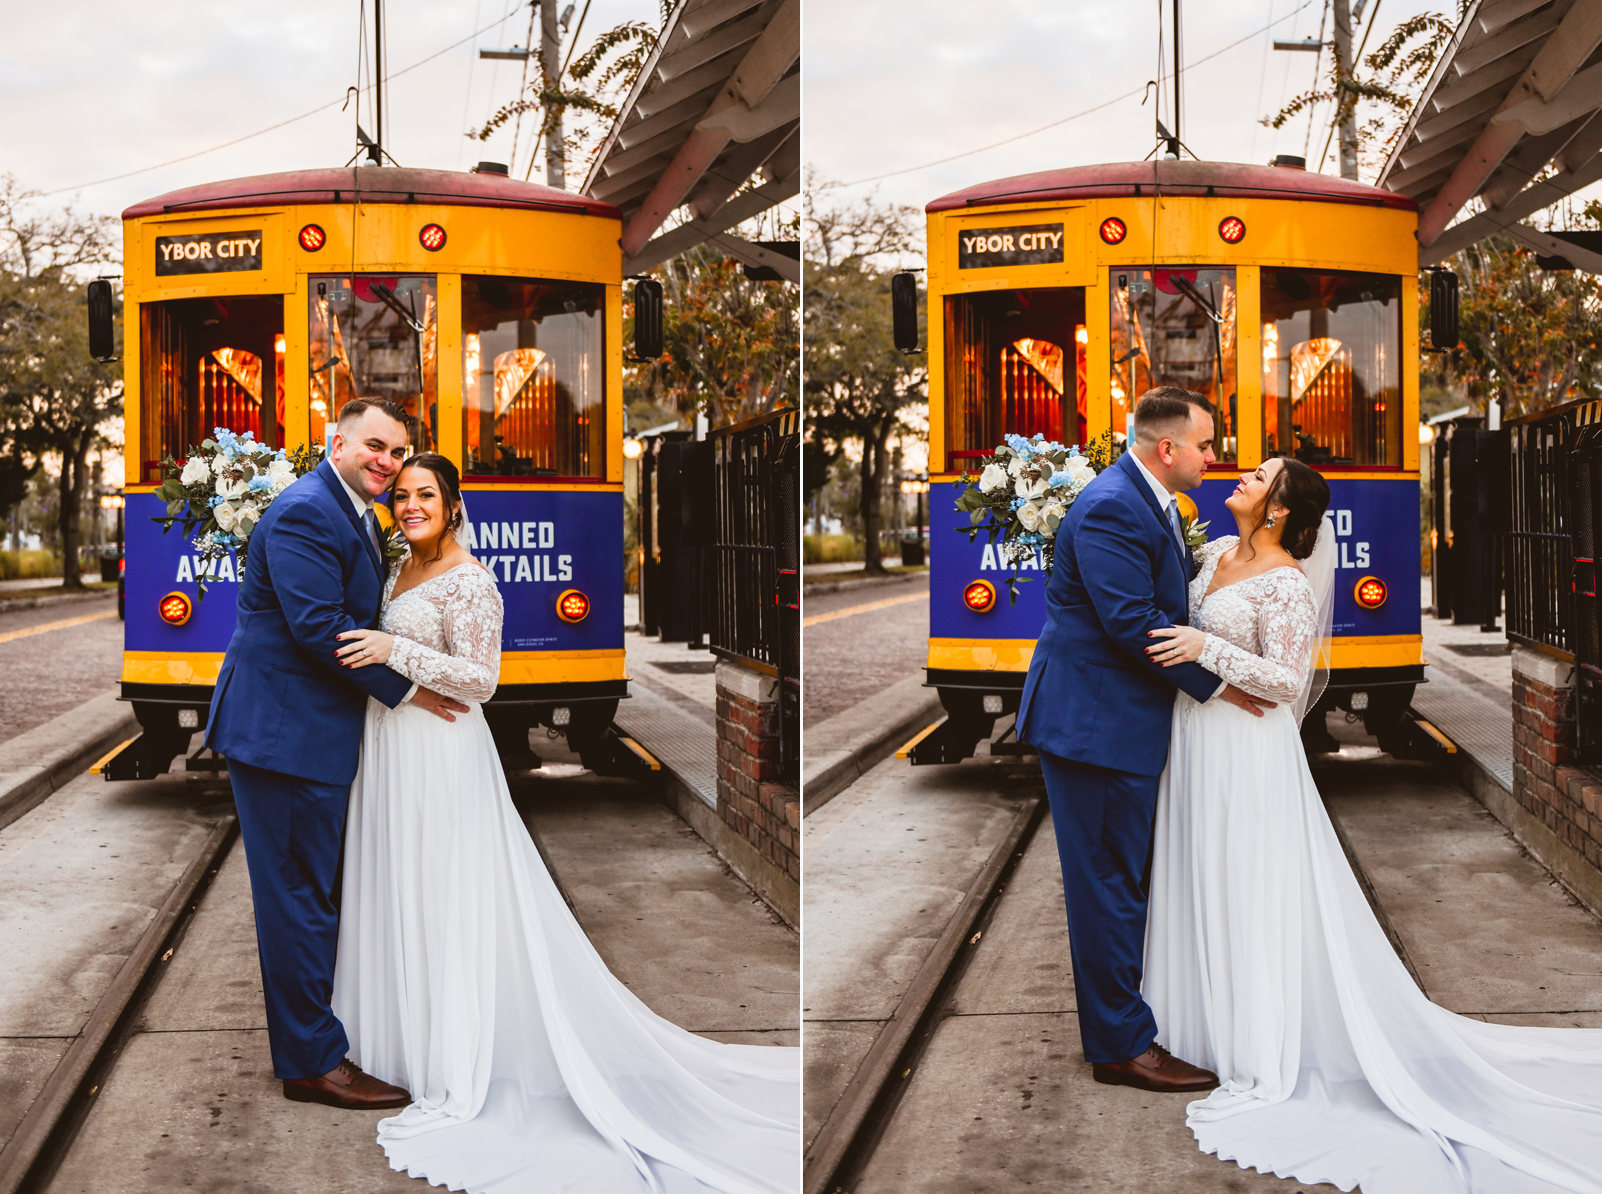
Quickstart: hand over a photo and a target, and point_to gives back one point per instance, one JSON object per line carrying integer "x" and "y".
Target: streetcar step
{"x": 100, "y": 764}
{"x": 640, "y": 753}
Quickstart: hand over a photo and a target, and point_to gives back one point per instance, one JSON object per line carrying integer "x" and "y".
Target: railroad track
{"x": 45, "y": 1133}
{"x": 842, "y": 1148}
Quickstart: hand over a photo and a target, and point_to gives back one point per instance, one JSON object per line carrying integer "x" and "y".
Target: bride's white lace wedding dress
{"x": 463, "y": 977}
{"x": 1265, "y": 963}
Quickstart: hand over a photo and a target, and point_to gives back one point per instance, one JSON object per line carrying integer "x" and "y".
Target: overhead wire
{"x": 282, "y": 123}
{"x": 1077, "y": 115}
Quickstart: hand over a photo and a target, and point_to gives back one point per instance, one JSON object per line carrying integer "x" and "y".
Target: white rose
{"x": 195, "y": 470}
{"x": 220, "y": 464}
{"x": 224, "y": 514}
{"x": 1029, "y": 516}
{"x": 1080, "y": 476}
{"x": 246, "y": 520}
{"x": 1051, "y": 513}
{"x": 1039, "y": 488}
{"x": 994, "y": 477}
{"x": 231, "y": 489}
{"x": 281, "y": 471}
{"x": 1016, "y": 467}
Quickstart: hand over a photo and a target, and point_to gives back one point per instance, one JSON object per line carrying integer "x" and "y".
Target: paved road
{"x": 1002, "y": 1100}
{"x": 847, "y": 659}
{"x": 44, "y": 674}
{"x": 191, "y": 1102}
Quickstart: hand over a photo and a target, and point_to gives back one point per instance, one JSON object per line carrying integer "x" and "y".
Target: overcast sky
{"x": 893, "y": 84}
{"x": 92, "y": 89}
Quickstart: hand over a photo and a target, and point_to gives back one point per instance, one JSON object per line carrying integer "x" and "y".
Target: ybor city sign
{"x": 208, "y": 253}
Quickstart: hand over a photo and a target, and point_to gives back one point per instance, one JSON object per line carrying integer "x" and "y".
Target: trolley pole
{"x": 550, "y": 71}
{"x": 1343, "y": 70}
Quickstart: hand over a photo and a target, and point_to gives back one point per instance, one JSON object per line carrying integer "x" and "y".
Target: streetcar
{"x": 490, "y": 309}
{"x": 1287, "y": 298}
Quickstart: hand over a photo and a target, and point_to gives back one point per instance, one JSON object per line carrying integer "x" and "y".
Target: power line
{"x": 273, "y": 127}
{"x": 1077, "y": 115}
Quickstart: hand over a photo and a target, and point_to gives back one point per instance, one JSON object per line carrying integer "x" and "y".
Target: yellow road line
{"x": 61, "y": 625}
{"x": 869, "y": 607}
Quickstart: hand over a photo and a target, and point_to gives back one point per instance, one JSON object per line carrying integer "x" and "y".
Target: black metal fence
{"x": 1542, "y": 566}
{"x": 756, "y": 560}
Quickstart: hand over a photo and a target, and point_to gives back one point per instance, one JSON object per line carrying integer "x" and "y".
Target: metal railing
{"x": 756, "y": 560}
{"x": 1541, "y": 548}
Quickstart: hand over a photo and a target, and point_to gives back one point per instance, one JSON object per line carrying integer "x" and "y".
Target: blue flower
{"x": 214, "y": 501}
{"x": 1019, "y": 444}
{"x": 1058, "y": 478}
{"x": 261, "y": 481}
{"x": 1016, "y": 502}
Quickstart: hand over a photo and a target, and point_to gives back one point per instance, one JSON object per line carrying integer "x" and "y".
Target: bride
{"x": 462, "y": 975}
{"x": 1264, "y": 961}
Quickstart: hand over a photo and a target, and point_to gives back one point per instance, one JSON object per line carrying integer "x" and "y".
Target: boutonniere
{"x": 1195, "y": 531}
{"x": 389, "y": 533}
{"x": 395, "y": 547}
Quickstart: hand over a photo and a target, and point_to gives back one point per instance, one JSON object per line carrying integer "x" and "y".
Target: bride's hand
{"x": 1184, "y": 645}
{"x": 365, "y": 647}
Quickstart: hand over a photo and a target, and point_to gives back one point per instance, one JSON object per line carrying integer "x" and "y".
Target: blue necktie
{"x": 1173, "y": 522}
{"x": 371, "y": 524}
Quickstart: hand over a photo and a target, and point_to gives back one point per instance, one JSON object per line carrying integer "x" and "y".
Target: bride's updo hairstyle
{"x": 450, "y": 488}
{"x": 1303, "y": 492}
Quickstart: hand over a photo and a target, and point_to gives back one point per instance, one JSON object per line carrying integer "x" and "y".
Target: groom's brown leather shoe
{"x": 1156, "y": 1069}
{"x": 346, "y": 1086}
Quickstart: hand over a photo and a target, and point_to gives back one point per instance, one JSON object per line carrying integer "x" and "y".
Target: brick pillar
{"x": 1546, "y": 783}
{"x": 753, "y": 801}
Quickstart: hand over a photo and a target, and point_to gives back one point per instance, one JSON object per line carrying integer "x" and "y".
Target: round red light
{"x": 980, "y": 596}
{"x": 432, "y": 237}
{"x": 1232, "y": 229}
{"x": 1370, "y": 592}
{"x": 572, "y": 606}
{"x": 1113, "y": 230}
{"x": 312, "y": 238}
{"x": 175, "y": 609}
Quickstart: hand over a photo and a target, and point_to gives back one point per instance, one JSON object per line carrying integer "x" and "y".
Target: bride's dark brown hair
{"x": 450, "y": 488}
{"x": 1305, "y": 495}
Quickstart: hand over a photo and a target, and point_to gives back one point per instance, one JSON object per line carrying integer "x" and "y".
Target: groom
{"x": 1098, "y": 712}
{"x": 288, "y": 717}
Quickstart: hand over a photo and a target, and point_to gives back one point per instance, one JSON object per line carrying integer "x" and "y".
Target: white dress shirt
{"x": 364, "y": 507}
{"x": 1165, "y": 499}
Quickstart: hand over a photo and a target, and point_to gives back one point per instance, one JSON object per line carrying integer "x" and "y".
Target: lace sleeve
{"x": 470, "y": 666}
{"x": 1286, "y": 625}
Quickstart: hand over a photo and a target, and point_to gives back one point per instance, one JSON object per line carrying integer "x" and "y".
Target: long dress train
{"x": 1265, "y": 963}
{"x": 463, "y": 976}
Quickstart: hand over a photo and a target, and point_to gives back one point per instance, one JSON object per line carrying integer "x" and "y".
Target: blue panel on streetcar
{"x": 540, "y": 543}
{"x": 159, "y": 564}
{"x": 954, "y": 563}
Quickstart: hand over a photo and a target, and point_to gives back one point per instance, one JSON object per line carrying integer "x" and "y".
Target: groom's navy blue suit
{"x": 1099, "y": 714}
{"x": 288, "y": 718}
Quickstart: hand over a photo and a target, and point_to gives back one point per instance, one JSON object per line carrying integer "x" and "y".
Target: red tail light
{"x": 1113, "y": 230}
{"x": 432, "y": 237}
{"x": 175, "y": 609}
{"x": 312, "y": 238}
{"x": 1370, "y": 592}
{"x": 980, "y": 596}
{"x": 572, "y": 606}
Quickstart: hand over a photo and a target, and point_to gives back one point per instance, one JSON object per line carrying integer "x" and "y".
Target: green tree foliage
{"x": 730, "y": 346}
{"x": 859, "y": 387}
{"x": 54, "y": 399}
{"x": 1527, "y": 336}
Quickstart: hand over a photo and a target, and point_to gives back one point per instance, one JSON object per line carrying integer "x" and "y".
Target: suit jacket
{"x": 282, "y": 701}
{"x": 1091, "y": 694}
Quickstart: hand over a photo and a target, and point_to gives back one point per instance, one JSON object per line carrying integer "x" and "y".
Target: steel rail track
{"x": 46, "y": 1132}
{"x": 844, "y": 1144}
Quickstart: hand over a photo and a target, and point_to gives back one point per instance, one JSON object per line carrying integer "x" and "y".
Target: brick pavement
{"x": 846, "y": 660}
{"x": 44, "y": 675}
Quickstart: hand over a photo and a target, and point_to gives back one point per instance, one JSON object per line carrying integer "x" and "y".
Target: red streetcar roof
{"x": 1125, "y": 179}
{"x": 372, "y": 184}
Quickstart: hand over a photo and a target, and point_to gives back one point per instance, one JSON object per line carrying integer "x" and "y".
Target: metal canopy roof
{"x": 1515, "y": 95}
{"x": 718, "y": 102}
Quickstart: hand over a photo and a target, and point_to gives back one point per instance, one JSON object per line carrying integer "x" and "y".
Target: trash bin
{"x": 912, "y": 553}
{"x": 109, "y": 569}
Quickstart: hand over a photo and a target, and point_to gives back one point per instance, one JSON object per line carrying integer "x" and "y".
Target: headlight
{"x": 1370, "y": 592}
{"x": 572, "y": 606}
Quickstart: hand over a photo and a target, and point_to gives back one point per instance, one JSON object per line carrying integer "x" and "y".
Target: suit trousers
{"x": 1103, "y": 819}
{"x": 294, "y": 830}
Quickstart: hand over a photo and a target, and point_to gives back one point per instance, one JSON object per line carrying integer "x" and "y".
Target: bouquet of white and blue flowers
{"x": 1023, "y": 490}
{"x": 223, "y": 488}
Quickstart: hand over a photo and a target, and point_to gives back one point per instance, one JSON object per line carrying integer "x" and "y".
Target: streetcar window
{"x": 203, "y": 366}
{"x": 1015, "y": 364}
{"x": 375, "y": 337}
{"x": 1175, "y": 327}
{"x": 1331, "y": 356}
{"x": 533, "y": 378}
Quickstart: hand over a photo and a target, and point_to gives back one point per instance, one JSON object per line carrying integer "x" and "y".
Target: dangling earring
{"x": 1270, "y": 523}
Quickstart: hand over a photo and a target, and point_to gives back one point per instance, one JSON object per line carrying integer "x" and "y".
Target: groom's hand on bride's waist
{"x": 438, "y": 705}
{"x": 1245, "y": 700}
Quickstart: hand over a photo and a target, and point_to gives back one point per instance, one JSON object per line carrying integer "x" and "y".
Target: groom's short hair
{"x": 1164, "y": 412}
{"x": 357, "y": 407}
